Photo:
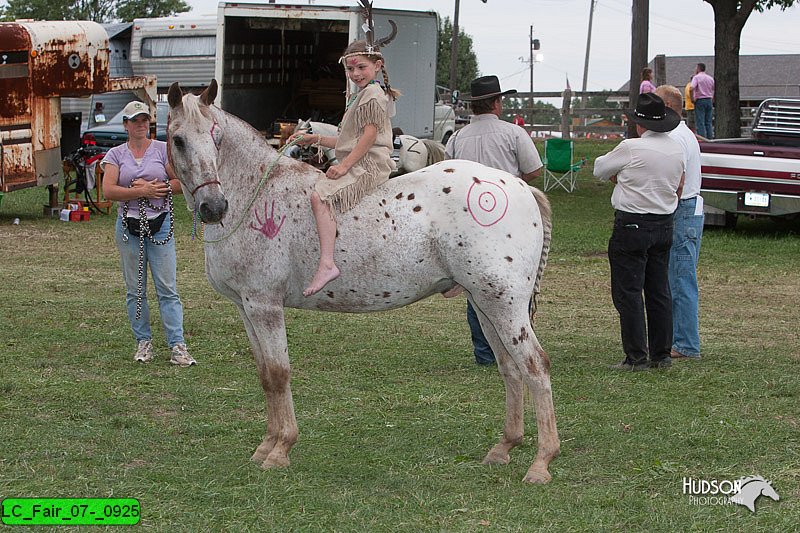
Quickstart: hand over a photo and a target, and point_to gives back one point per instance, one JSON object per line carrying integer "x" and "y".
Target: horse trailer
{"x": 40, "y": 62}
{"x": 280, "y": 63}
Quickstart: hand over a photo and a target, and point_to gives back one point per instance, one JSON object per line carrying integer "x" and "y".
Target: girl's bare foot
{"x": 321, "y": 278}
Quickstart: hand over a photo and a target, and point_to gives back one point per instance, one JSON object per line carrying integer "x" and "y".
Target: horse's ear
{"x": 210, "y": 94}
{"x": 175, "y": 96}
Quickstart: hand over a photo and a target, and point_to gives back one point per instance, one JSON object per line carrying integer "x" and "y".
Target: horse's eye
{"x": 178, "y": 142}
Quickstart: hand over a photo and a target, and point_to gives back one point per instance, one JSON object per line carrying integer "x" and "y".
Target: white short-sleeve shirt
{"x": 495, "y": 143}
{"x": 691, "y": 152}
{"x": 648, "y": 171}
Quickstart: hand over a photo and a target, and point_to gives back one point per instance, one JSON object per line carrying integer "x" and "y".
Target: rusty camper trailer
{"x": 41, "y": 62}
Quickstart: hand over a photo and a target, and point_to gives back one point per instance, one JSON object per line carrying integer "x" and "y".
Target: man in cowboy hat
{"x": 497, "y": 144}
{"x": 648, "y": 174}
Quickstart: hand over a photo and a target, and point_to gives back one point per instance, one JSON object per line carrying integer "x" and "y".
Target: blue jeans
{"x": 483, "y": 352}
{"x": 638, "y": 254}
{"x": 163, "y": 266}
{"x": 703, "y": 112}
{"x": 687, "y": 234}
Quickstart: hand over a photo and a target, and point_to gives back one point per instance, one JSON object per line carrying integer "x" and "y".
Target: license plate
{"x": 756, "y": 199}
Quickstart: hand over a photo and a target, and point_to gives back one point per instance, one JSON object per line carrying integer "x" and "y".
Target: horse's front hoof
{"x": 262, "y": 452}
{"x": 537, "y": 477}
{"x": 496, "y": 458}
{"x": 275, "y": 461}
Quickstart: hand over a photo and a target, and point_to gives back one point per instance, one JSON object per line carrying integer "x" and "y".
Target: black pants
{"x": 638, "y": 253}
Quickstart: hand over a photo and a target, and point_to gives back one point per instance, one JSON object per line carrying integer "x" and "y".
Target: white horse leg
{"x": 267, "y": 333}
{"x": 514, "y": 427}
{"x": 514, "y": 339}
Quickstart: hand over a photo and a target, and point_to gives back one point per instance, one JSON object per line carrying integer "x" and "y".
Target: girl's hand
{"x": 337, "y": 171}
{"x": 304, "y": 138}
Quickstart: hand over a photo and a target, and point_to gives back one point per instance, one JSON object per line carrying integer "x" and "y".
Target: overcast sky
{"x": 501, "y": 33}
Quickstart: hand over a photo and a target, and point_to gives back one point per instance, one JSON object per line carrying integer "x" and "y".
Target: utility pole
{"x": 530, "y": 101}
{"x": 592, "y": 3}
{"x": 639, "y": 36}
{"x": 454, "y": 50}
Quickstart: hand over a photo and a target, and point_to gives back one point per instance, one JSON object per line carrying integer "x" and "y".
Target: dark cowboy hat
{"x": 486, "y": 87}
{"x": 652, "y": 114}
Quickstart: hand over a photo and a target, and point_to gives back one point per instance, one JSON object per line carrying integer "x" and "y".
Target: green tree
{"x": 730, "y": 17}
{"x": 38, "y": 10}
{"x": 466, "y": 64}
{"x": 131, "y": 9}
{"x": 543, "y": 112}
{"x": 95, "y": 10}
{"x": 600, "y": 103}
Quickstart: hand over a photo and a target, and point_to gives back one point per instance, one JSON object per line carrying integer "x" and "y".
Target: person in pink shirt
{"x": 703, "y": 96}
{"x": 647, "y": 82}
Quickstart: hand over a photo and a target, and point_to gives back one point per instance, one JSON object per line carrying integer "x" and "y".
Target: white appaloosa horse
{"x": 415, "y": 154}
{"x": 454, "y": 224}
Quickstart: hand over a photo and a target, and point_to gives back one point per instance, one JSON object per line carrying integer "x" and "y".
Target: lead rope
{"x": 252, "y": 199}
{"x": 144, "y": 232}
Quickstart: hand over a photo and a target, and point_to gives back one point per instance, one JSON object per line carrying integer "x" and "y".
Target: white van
{"x": 444, "y": 118}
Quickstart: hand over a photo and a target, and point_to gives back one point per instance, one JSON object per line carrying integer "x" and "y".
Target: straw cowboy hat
{"x": 486, "y": 87}
{"x": 651, "y": 113}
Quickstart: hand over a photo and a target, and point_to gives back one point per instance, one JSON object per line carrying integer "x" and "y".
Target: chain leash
{"x": 144, "y": 232}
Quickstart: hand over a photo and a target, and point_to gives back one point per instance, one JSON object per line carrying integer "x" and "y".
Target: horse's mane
{"x": 192, "y": 109}
{"x": 750, "y": 479}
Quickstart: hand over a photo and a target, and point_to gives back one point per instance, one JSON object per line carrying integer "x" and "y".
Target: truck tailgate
{"x": 739, "y": 166}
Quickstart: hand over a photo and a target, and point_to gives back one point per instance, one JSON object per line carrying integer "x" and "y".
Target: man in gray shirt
{"x": 497, "y": 144}
{"x": 648, "y": 174}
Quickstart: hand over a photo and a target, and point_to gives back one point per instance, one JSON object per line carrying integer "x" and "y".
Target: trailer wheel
{"x": 446, "y": 137}
{"x": 730, "y": 220}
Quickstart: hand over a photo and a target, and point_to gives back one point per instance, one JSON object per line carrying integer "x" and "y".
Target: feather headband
{"x": 373, "y": 47}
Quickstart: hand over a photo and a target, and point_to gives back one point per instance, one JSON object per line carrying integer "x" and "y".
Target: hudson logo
{"x": 744, "y": 491}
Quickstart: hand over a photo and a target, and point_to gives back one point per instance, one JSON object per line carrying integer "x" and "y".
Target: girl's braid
{"x": 394, "y": 93}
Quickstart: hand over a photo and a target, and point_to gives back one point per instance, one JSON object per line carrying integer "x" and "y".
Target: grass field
{"x": 394, "y": 415}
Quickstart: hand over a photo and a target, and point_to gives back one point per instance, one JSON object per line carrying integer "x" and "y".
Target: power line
{"x": 680, "y": 27}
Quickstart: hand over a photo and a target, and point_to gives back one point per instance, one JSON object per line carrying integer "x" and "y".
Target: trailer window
{"x": 14, "y": 64}
{"x": 184, "y": 46}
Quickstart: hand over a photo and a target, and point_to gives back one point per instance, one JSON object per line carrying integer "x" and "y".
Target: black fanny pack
{"x": 134, "y": 224}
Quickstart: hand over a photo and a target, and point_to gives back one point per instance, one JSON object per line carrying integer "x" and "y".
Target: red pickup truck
{"x": 759, "y": 176}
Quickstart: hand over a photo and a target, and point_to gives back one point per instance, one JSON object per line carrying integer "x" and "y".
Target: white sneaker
{"x": 144, "y": 352}
{"x": 180, "y": 356}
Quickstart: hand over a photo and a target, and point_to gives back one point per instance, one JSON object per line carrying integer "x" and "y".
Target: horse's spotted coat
{"x": 436, "y": 246}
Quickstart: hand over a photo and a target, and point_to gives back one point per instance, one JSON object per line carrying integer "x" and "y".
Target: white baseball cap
{"x": 133, "y": 109}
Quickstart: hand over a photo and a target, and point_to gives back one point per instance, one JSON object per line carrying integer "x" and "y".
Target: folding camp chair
{"x": 560, "y": 170}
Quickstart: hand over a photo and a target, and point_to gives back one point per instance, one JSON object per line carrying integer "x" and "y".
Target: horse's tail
{"x": 547, "y": 233}
{"x": 435, "y": 151}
